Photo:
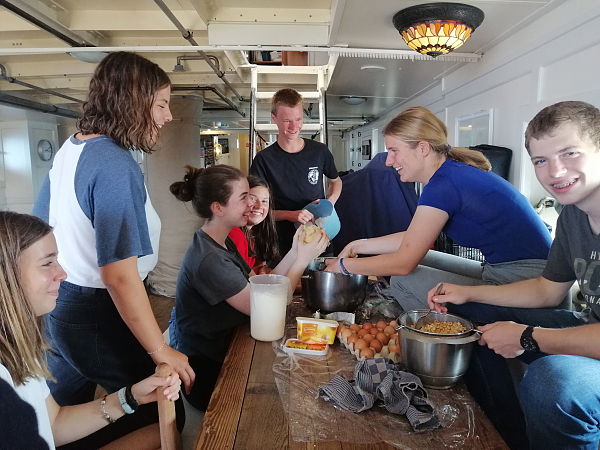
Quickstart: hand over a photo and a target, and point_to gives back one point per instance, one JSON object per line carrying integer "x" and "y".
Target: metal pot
{"x": 330, "y": 292}
{"x": 439, "y": 360}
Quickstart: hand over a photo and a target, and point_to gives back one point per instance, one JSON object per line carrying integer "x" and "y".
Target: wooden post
{"x": 170, "y": 439}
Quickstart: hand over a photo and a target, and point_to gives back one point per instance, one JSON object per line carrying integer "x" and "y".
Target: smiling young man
{"x": 294, "y": 168}
{"x": 559, "y": 394}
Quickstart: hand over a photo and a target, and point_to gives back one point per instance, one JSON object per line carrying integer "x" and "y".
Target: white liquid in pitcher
{"x": 267, "y": 315}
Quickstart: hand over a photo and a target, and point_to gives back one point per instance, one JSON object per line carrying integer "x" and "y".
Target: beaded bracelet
{"x": 342, "y": 268}
{"x": 158, "y": 349}
{"x": 103, "y": 410}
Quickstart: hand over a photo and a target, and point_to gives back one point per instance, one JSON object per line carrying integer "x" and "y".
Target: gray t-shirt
{"x": 575, "y": 255}
{"x": 209, "y": 275}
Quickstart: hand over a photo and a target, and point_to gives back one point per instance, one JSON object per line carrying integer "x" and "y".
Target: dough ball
{"x": 310, "y": 233}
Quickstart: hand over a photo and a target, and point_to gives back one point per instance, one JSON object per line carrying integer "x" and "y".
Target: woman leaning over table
{"x": 212, "y": 297}
{"x": 102, "y": 330}
{"x": 30, "y": 276}
{"x": 473, "y": 206}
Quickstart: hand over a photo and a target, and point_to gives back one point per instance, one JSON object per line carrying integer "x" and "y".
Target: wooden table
{"x": 247, "y": 413}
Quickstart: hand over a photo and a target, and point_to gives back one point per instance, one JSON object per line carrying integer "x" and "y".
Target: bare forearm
{"x": 533, "y": 293}
{"x": 75, "y": 422}
{"x": 381, "y": 265}
{"x": 131, "y": 300}
{"x": 335, "y": 190}
{"x": 569, "y": 341}
{"x": 378, "y": 246}
{"x": 283, "y": 215}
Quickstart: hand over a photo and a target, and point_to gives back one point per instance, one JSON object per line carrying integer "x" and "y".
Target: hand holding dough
{"x": 310, "y": 232}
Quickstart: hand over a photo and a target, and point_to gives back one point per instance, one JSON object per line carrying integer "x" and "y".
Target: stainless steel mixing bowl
{"x": 330, "y": 292}
{"x": 438, "y": 359}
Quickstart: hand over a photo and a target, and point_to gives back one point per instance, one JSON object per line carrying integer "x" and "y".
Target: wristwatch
{"x": 528, "y": 342}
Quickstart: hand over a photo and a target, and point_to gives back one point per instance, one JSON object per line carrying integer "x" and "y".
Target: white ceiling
{"x": 355, "y": 24}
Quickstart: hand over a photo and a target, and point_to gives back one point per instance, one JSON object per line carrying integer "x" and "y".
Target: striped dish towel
{"x": 379, "y": 379}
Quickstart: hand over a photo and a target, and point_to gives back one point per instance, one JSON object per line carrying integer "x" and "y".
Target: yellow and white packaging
{"x": 316, "y": 331}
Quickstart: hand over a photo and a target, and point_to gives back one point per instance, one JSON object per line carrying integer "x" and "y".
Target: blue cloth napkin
{"x": 379, "y": 379}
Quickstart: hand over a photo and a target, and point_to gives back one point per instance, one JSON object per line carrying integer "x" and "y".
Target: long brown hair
{"x": 203, "y": 187}
{"x": 264, "y": 234}
{"x": 417, "y": 124}
{"x": 21, "y": 339}
{"x": 120, "y": 98}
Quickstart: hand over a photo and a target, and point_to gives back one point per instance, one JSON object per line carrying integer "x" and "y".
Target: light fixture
{"x": 436, "y": 29}
{"x": 373, "y": 69}
{"x": 353, "y": 100}
{"x": 218, "y": 151}
{"x": 88, "y": 57}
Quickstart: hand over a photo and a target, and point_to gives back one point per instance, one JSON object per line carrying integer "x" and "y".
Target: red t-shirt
{"x": 240, "y": 241}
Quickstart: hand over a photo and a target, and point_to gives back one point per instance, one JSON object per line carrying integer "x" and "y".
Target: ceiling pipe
{"x": 4, "y": 77}
{"x": 56, "y": 29}
{"x": 179, "y": 66}
{"x": 18, "y": 102}
{"x": 212, "y": 89}
{"x": 187, "y": 35}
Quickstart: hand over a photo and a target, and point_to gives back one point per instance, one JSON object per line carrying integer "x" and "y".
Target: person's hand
{"x": 263, "y": 269}
{"x": 449, "y": 293}
{"x": 348, "y": 251}
{"x": 145, "y": 391}
{"x": 179, "y": 363}
{"x": 303, "y": 216}
{"x": 333, "y": 265}
{"x": 308, "y": 252}
{"x": 503, "y": 337}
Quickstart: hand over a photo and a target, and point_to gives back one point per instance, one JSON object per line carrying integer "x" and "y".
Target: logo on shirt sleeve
{"x": 313, "y": 175}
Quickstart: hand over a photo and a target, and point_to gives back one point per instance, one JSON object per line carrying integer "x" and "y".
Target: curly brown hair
{"x": 120, "y": 98}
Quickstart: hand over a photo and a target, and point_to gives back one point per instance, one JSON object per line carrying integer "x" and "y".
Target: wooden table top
{"x": 246, "y": 410}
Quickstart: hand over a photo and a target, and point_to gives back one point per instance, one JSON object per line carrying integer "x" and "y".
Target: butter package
{"x": 298, "y": 347}
{"x": 316, "y": 331}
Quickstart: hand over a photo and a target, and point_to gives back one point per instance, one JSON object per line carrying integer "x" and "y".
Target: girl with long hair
{"x": 103, "y": 331}
{"x": 473, "y": 206}
{"x": 213, "y": 293}
{"x": 257, "y": 241}
{"x": 30, "y": 276}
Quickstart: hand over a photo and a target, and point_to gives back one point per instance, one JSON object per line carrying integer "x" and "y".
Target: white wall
{"x": 555, "y": 58}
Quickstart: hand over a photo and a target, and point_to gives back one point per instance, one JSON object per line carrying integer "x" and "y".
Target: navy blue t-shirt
{"x": 486, "y": 212}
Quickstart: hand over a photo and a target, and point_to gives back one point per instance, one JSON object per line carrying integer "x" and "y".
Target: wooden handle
{"x": 170, "y": 438}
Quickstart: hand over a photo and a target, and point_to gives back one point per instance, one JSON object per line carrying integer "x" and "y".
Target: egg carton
{"x": 385, "y": 351}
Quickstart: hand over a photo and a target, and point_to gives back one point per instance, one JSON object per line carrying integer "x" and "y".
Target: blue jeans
{"x": 91, "y": 345}
{"x": 561, "y": 402}
{"x": 489, "y": 379}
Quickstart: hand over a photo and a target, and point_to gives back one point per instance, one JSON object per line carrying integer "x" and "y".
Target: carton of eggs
{"x": 371, "y": 340}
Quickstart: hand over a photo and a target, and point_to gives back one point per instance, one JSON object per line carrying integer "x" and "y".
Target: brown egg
{"x": 368, "y": 326}
{"x": 341, "y": 327}
{"x": 346, "y": 333}
{"x": 362, "y": 332}
{"x": 367, "y": 353}
{"x": 360, "y": 344}
{"x": 383, "y": 338}
{"x": 381, "y": 325}
{"x": 352, "y": 339}
{"x": 376, "y": 345}
{"x": 374, "y": 331}
{"x": 394, "y": 324}
{"x": 368, "y": 337}
{"x": 394, "y": 349}
{"x": 389, "y": 330}
{"x": 355, "y": 327}
{"x": 394, "y": 336}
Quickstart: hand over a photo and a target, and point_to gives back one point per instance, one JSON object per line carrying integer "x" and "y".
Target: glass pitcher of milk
{"x": 268, "y": 300}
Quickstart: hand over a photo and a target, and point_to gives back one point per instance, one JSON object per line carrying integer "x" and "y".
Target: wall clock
{"x": 45, "y": 149}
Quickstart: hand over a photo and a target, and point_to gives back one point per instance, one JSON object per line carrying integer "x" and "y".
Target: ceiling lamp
{"x": 353, "y": 100}
{"x": 436, "y": 29}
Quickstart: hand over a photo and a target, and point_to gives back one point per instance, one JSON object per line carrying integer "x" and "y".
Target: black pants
{"x": 207, "y": 371}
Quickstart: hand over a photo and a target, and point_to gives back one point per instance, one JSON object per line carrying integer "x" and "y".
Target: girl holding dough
{"x": 213, "y": 293}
